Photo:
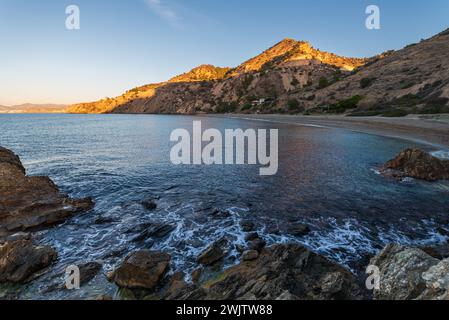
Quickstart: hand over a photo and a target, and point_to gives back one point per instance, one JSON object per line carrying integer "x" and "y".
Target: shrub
{"x": 368, "y": 113}
{"x": 395, "y": 113}
{"x": 294, "y": 106}
{"x": 346, "y": 104}
{"x": 247, "y": 106}
{"x": 366, "y": 82}
{"x": 323, "y": 83}
{"x": 226, "y": 107}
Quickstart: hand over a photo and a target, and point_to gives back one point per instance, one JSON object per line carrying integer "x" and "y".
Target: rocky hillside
{"x": 294, "y": 77}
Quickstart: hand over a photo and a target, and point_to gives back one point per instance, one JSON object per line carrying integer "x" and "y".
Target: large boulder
{"x": 142, "y": 270}
{"x": 20, "y": 260}
{"x": 281, "y": 272}
{"x": 420, "y": 165}
{"x": 28, "y": 203}
{"x": 401, "y": 272}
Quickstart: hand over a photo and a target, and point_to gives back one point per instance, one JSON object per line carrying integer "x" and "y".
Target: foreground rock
{"x": 214, "y": 253}
{"x": 31, "y": 202}
{"x": 420, "y": 165}
{"x": 142, "y": 270}
{"x": 21, "y": 259}
{"x": 281, "y": 271}
{"x": 410, "y": 273}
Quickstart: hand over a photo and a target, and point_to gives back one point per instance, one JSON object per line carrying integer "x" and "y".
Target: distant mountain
{"x": 292, "y": 76}
{"x": 34, "y": 108}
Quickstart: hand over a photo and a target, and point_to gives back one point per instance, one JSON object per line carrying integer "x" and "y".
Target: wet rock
{"x": 443, "y": 232}
{"x": 214, "y": 253}
{"x": 220, "y": 214}
{"x": 252, "y": 236}
{"x": 142, "y": 270}
{"x": 298, "y": 229}
{"x": 21, "y": 259}
{"x": 439, "y": 251}
{"x": 240, "y": 248}
{"x": 401, "y": 270}
{"x": 250, "y": 255}
{"x": 285, "y": 271}
{"x": 419, "y": 165}
{"x": 149, "y": 205}
{"x": 257, "y": 244}
{"x": 247, "y": 226}
{"x": 196, "y": 275}
{"x": 156, "y": 230}
{"x": 28, "y": 203}
{"x": 104, "y": 220}
{"x": 18, "y": 236}
{"x": 88, "y": 271}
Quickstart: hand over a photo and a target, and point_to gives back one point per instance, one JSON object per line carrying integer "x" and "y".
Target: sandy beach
{"x": 429, "y": 129}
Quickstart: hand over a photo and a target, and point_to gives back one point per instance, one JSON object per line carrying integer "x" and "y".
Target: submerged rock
{"x": 21, "y": 259}
{"x": 214, "y": 253}
{"x": 142, "y": 270}
{"x": 88, "y": 271}
{"x": 419, "y": 165}
{"x": 149, "y": 205}
{"x": 154, "y": 230}
{"x": 298, "y": 229}
{"x": 32, "y": 202}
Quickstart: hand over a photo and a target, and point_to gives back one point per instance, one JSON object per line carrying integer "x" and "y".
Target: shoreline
{"x": 419, "y": 129}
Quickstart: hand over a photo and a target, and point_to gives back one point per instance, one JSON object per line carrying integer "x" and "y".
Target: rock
{"x": 443, "y": 232}
{"x": 437, "y": 282}
{"x": 156, "y": 230}
{"x": 21, "y": 259}
{"x": 252, "y": 236}
{"x": 420, "y": 165}
{"x": 257, "y": 244}
{"x": 240, "y": 248}
{"x": 149, "y": 205}
{"x": 104, "y": 220}
{"x": 88, "y": 271}
{"x": 247, "y": 226}
{"x": 28, "y": 203}
{"x": 298, "y": 229}
{"x": 285, "y": 271}
{"x": 439, "y": 251}
{"x": 214, "y": 253}
{"x": 220, "y": 214}
{"x": 142, "y": 270}
{"x": 250, "y": 255}
{"x": 196, "y": 275}
{"x": 104, "y": 298}
{"x": 287, "y": 296}
{"x": 401, "y": 270}
{"x": 18, "y": 236}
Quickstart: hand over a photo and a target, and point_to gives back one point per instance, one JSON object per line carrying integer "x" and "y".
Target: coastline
{"x": 432, "y": 129}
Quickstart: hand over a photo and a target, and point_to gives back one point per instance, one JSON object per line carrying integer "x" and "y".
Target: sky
{"x": 122, "y": 44}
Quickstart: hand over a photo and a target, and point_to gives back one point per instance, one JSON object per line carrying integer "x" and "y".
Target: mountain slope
{"x": 292, "y": 76}
{"x": 414, "y": 79}
{"x": 285, "y": 67}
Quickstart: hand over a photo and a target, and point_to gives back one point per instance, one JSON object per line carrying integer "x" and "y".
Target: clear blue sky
{"x": 126, "y": 43}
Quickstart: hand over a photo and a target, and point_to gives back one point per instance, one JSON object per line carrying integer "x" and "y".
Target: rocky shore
{"x": 278, "y": 272}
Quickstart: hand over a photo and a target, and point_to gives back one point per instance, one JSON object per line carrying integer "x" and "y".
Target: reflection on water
{"x": 327, "y": 178}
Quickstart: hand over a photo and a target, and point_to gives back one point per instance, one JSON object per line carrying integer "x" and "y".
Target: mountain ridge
{"x": 292, "y": 76}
